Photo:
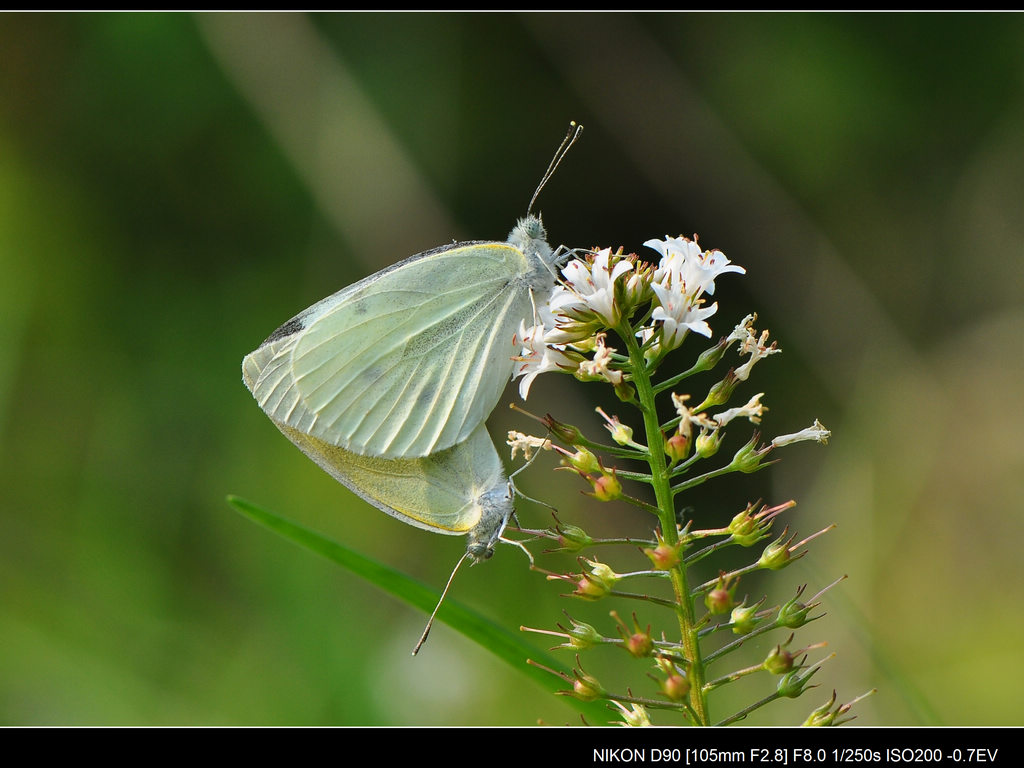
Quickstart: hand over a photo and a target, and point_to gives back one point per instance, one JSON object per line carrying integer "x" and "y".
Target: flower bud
{"x": 707, "y": 443}
{"x": 572, "y": 538}
{"x": 744, "y": 618}
{"x": 583, "y": 461}
{"x": 675, "y": 686}
{"x": 638, "y": 641}
{"x": 748, "y": 458}
{"x": 720, "y": 393}
{"x": 677, "y": 447}
{"x": 597, "y": 582}
{"x": 793, "y": 614}
{"x": 718, "y": 599}
{"x": 776, "y": 555}
{"x": 581, "y": 635}
{"x": 634, "y": 717}
{"x": 779, "y": 661}
{"x": 792, "y": 684}
{"x": 607, "y": 487}
{"x": 567, "y": 433}
{"x": 586, "y": 687}
{"x": 664, "y": 556}
{"x": 710, "y": 357}
{"x": 625, "y": 392}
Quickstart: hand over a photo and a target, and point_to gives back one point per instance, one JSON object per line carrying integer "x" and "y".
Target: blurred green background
{"x": 173, "y": 187}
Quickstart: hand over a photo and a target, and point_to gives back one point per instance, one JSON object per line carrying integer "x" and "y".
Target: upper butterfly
{"x": 410, "y": 360}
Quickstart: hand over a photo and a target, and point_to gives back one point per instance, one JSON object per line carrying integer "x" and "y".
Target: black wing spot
{"x": 290, "y": 328}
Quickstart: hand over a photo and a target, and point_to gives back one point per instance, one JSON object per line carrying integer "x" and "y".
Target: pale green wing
{"x": 445, "y": 492}
{"x": 405, "y": 363}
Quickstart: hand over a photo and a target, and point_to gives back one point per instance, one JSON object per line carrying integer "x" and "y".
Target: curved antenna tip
{"x": 575, "y": 129}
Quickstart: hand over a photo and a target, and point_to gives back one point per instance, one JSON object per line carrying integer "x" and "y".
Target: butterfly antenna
{"x": 430, "y": 621}
{"x": 575, "y": 129}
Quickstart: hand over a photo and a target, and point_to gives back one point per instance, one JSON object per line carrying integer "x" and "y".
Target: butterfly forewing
{"x": 404, "y": 363}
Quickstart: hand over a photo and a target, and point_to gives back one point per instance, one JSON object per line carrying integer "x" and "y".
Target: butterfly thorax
{"x": 530, "y": 237}
{"x": 495, "y": 510}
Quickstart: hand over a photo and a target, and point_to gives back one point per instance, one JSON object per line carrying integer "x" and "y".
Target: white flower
{"x": 598, "y": 367}
{"x": 528, "y": 444}
{"x": 688, "y": 417}
{"x": 744, "y": 331}
{"x": 590, "y": 287}
{"x": 815, "y": 432}
{"x": 757, "y": 348}
{"x": 537, "y": 357}
{"x": 685, "y": 266}
{"x": 677, "y": 314}
{"x": 753, "y": 410}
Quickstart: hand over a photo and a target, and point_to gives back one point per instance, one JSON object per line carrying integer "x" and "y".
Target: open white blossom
{"x": 685, "y": 266}
{"x": 590, "y": 287}
{"x": 678, "y": 313}
{"x": 537, "y": 357}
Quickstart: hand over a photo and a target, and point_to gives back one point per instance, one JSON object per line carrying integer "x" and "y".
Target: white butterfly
{"x": 410, "y": 360}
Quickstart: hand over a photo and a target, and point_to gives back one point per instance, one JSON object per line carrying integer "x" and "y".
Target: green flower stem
{"x": 664, "y": 494}
{"x": 696, "y": 557}
{"x": 730, "y": 575}
{"x": 649, "y": 703}
{"x": 637, "y": 477}
{"x": 747, "y": 710}
{"x": 733, "y": 676}
{"x": 618, "y": 451}
{"x": 669, "y": 383}
{"x": 695, "y": 481}
{"x": 725, "y": 649}
{"x": 645, "y": 598}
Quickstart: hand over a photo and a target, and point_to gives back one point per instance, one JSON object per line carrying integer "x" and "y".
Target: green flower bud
{"x": 710, "y": 357}
{"x": 793, "y": 614}
{"x": 581, "y": 635}
{"x": 598, "y": 582}
{"x": 567, "y": 433}
{"x": 586, "y": 687}
{"x": 707, "y": 443}
{"x": 572, "y": 538}
{"x": 744, "y": 619}
{"x": 583, "y": 461}
{"x": 779, "y": 661}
